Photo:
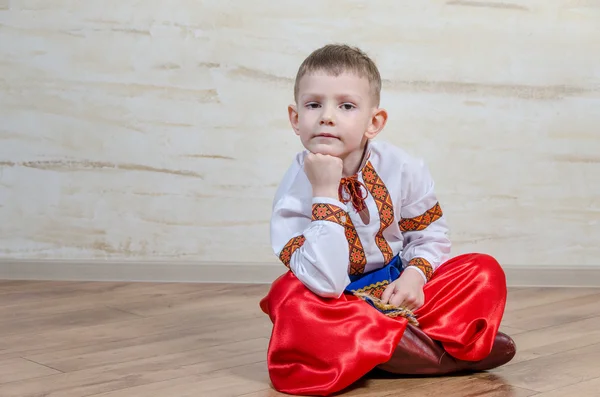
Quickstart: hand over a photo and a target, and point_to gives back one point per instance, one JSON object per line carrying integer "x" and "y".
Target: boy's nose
{"x": 327, "y": 117}
{"x": 327, "y": 120}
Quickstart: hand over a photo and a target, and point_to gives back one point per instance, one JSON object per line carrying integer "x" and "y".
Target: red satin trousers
{"x": 320, "y": 345}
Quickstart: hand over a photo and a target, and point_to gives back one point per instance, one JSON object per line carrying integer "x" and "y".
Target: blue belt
{"x": 370, "y": 286}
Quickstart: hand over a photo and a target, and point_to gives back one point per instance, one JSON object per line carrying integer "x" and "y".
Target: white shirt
{"x": 323, "y": 240}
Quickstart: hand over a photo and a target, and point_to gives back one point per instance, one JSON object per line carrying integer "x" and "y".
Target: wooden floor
{"x": 76, "y": 339}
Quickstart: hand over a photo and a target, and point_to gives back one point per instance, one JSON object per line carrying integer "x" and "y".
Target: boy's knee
{"x": 487, "y": 266}
{"x": 280, "y": 292}
{"x": 284, "y": 286}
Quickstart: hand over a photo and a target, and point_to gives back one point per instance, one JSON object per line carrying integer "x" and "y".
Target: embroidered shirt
{"x": 324, "y": 241}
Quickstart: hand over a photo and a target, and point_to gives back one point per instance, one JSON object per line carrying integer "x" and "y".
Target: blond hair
{"x": 337, "y": 59}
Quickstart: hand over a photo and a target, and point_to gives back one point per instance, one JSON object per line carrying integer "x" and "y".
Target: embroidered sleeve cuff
{"x": 422, "y": 221}
{"x": 423, "y": 265}
{"x": 329, "y": 212}
{"x": 286, "y": 253}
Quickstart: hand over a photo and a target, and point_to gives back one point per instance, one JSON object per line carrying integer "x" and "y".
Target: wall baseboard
{"x": 253, "y": 273}
{"x": 148, "y": 271}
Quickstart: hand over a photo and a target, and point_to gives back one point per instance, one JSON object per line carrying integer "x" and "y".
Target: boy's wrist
{"x": 414, "y": 274}
{"x": 325, "y": 191}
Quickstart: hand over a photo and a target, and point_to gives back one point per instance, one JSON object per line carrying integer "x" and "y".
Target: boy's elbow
{"x": 331, "y": 288}
{"x": 326, "y": 284}
{"x": 329, "y": 293}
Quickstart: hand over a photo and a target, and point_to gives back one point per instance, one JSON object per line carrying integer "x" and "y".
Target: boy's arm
{"x": 313, "y": 247}
{"x": 423, "y": 224}
{"x": 308, "y": 230}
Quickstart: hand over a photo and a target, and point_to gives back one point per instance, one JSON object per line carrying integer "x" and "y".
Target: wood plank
{"x": 460, "y": 386}
{"x": 227, "y": 383}
{"x": 373, "y": 384}
{"x": 140, "y": 298}
{"x": 64, "y": 321}
{"x": 552, "y": 372}
{"x": 19, "y": 369}
{"x": 511, "y": 330}
{"x": 6, "y": 285}
{"x": 378, "y": 383}
{"x": 554, "y": 313}
{"x": 588, "y": 388}
{"x": 32, "y": 343}
{"x": 148, "y": 346}
{"x": 40, "y": 291}
{"x": 269, "y": 393}
{"x": 122, "y": 376}
{"x": 233, "y": 295}
{"x": 34, "y": 285}
{"x": 556, "y": 339}
{"x": 539, "y": 296}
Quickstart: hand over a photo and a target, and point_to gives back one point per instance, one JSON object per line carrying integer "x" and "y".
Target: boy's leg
{"x": 319, "y": 346}
{"x": 464, "y": 305}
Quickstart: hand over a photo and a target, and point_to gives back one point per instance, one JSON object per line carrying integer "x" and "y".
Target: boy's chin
{"x": 325, "y": 150}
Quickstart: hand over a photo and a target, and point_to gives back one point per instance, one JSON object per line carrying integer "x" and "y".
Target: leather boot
{"x": 418, "y": 354}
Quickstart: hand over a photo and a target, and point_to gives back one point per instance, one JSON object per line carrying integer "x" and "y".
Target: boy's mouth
{"x": 326, "y": 135}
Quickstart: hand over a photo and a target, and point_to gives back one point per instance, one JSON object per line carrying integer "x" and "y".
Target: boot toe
{"x": 503, "y": 351}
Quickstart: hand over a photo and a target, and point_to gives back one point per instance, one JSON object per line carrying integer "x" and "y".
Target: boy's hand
{"x": 324, "y": 173}
{"x": 406, "y": 291}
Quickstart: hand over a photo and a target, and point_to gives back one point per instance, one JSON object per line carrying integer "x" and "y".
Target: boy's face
{"x": 335, "y": 115}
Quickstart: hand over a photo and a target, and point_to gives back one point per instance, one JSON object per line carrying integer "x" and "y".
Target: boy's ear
{"x": 293, "y": 114}
{"x": 378, "y": 120}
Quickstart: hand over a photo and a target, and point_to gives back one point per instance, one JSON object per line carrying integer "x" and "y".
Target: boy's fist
{"x": 324, "y": 173}
{"x": 406, "y": 291}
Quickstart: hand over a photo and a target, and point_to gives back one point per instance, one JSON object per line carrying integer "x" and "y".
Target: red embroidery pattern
{"x": 421, "y": 222}
{"x": 422, "y": 264}
{"x": 357, "y": 259}
{"x": 332, "y": 213}
{"x": 286, "y": 253}
{"x": 384, "y": 206}
{"x": 329, "y": 212}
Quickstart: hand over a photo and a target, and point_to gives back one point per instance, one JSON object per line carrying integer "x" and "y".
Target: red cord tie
{"x": 356, "y": 190}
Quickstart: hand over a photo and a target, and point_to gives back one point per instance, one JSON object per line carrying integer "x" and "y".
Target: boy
{"x": 370, "y": 281}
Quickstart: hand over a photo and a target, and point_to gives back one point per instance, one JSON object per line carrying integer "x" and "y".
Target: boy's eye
{"x": 312, "y": 105}
{"x": 348, "y": 106}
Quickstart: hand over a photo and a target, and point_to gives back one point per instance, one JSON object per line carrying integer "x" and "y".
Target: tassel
{"x": 387, "y": 309}
{"x": 356, "y": 190}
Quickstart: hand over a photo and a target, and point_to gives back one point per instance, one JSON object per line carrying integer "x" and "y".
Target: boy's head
{"x": 337, "y": 94}
{"x": 336, "y": 59}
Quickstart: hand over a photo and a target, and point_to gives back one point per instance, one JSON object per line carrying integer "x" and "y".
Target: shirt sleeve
{"x": 422, "y": 223}
{"x": 308, "y": 235}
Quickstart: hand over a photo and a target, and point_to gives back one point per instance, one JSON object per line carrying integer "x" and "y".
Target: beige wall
{"x": 158, "y": 130}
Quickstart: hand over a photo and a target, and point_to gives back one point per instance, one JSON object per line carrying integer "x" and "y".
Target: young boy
{"x": 370, "y": 283}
